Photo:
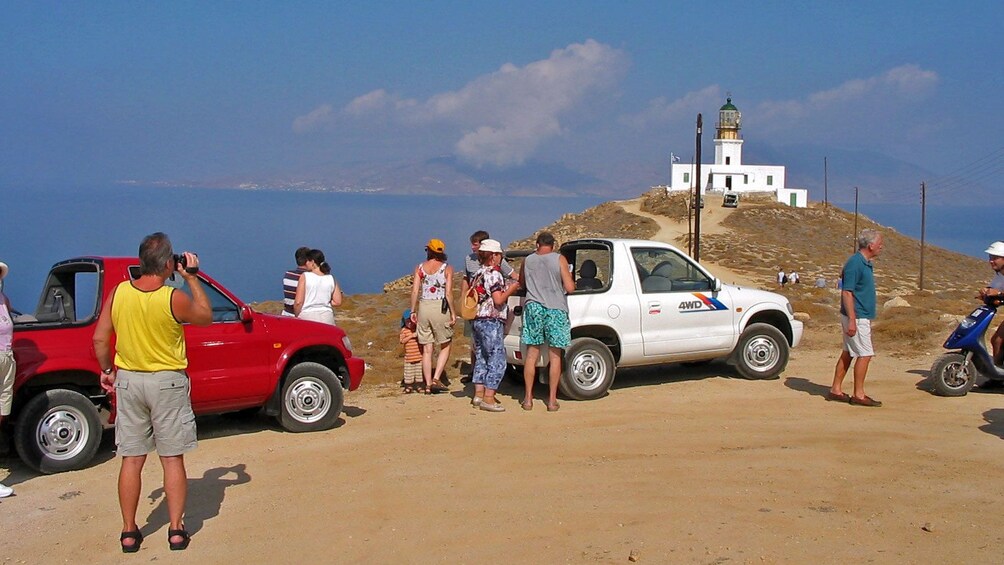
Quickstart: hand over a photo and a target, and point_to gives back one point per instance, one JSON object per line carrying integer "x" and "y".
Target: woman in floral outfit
{"x": 432, "y": 311}
{"x": 488, "y": 326}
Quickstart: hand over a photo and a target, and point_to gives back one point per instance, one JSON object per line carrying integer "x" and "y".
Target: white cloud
{"x": 661, "y": 111}
{"x": 500, "y": 118}
{"x": 316, "y": 118}
{"x": 863, "y": 98}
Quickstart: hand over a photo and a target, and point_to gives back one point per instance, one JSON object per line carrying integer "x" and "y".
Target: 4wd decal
{"x": 701, "y": 303}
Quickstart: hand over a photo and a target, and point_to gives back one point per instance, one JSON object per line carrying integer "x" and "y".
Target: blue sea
{"x": 246, "y": 239}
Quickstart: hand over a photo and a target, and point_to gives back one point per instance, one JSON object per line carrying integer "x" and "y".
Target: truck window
{"x": 224, "y": 310}
{"x": 590, "y": 269}
{"x": 70, "y": 295}
{"x": 663, "y": 270}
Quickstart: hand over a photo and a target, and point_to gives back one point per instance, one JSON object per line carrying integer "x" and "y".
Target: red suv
{"x": 294, "y": 369}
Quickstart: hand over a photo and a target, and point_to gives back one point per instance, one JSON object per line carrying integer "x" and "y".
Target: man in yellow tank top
{"x": 153, "y": 408}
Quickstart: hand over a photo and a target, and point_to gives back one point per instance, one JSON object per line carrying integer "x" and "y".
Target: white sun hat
{"x": 996, "y": 248}
{"x": 493, "y": 246}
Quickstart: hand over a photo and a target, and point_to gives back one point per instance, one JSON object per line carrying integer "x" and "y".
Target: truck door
{"x": 680, "y": 313}
{"x": 227, "y": 360}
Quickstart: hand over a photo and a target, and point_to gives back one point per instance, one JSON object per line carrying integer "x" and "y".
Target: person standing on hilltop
{"x": 857, "y": 310}
{"x": 996, "y": 288}
{"x": 317, "y": 291}
{"x": 290, "y": 280}
{"x": 432, "y": 310}
{"x": 547, "y": 279}
{"x": 472, "y": 264}
{"x": 147, "y": 375}
{"x": 8, "y": 367}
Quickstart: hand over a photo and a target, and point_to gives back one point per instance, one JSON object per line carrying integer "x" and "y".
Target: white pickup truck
{"x": 645, "y": 303}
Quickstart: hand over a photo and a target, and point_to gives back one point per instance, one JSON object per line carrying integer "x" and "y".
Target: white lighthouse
{"x": 728, "y": 174}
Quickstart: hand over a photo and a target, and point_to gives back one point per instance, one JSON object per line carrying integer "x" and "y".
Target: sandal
{"x": 136, "y": 536}
{"x": 526, "y": 405}
{"x": 553, "y": 407}
{"x": 178, "y": 545}
{"x": 409, "y": 389}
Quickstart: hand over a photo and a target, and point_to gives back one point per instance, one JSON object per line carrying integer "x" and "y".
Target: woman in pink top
{"x": 8, "y": 368}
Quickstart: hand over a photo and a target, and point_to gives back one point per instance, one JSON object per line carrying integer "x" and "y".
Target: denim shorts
{"x": 153, "y": 411}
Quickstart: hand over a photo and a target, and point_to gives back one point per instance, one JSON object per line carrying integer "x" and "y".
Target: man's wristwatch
{"x": 106, "y": 371}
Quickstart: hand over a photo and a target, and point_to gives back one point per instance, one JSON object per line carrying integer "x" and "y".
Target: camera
{"x": 183, "y": 261}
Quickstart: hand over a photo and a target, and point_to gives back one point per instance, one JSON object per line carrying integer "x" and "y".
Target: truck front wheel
{"x": 762, "y": 352}
{"x": 589, "y": 369}
{"x": 312, "y": 398}
{"x": 58, "y": 430}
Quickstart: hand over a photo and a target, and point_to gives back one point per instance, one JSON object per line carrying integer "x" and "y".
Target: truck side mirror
{"x": 717, "y": 284}
{"x": 246, "y": 314}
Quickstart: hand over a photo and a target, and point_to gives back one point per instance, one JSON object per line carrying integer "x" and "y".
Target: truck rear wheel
{"x": 58, "y": 430}
{"x": 762, "y": 352}
{"x": 589, "y": 369}
{"x": 953, "y": 375}
{"x": 312, "y": 398}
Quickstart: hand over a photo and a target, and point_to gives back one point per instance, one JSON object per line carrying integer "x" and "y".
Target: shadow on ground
{"x": 205, "y": 498}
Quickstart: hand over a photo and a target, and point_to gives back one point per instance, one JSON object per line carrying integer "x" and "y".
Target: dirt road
{"x": 676, "y": 465}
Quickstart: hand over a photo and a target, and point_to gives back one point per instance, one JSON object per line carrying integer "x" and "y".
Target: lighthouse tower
{"x": 728, "y": 142}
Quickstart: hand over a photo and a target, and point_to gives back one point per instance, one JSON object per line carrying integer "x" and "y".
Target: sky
{"x": 102, "y": 92}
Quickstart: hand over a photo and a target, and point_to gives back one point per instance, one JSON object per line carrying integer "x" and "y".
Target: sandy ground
{"x": 675, "y": 465}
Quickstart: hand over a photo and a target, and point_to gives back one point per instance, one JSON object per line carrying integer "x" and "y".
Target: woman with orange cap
{"x": 432, "y": 310}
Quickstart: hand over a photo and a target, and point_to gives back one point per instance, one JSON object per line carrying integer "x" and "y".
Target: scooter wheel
{"x": 953, "y": 375}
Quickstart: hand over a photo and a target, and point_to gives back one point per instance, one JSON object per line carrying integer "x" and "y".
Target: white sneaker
{"x": 5, "y": 491}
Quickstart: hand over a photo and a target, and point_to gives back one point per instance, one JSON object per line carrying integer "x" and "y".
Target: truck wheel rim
{"x": 62, "y": 433}
{"x": 956, "y": 374}
{"x": 307, "y": 400}
{"x": 761, "y": 354}
{"x": 587, "y": 370}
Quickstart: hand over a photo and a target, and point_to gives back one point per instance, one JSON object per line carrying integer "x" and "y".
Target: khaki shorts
{"x": 860, "y": 345}
{"x": 153, "y": 411}
{"x": 433, "y": 325}
{"x": 8, "y": 369}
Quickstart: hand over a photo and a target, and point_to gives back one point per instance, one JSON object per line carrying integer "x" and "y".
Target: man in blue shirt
{"x": 857, "y": 310}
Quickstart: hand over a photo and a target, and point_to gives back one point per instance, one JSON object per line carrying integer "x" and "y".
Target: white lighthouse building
{"x": 728, "y": 174}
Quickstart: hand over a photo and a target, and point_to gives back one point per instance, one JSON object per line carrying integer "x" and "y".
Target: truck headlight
{"x": 791, "y": 309}
{"x": 346, "y": 343}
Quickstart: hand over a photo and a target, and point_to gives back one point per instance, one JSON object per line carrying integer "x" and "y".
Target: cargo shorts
{"x": 154, "y": 411}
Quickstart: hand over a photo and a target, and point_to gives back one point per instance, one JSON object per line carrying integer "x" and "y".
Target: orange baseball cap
{"x": 436, "y": 245}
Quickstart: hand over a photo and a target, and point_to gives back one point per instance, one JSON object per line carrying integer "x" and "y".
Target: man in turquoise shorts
{"x": 547, "y": 279}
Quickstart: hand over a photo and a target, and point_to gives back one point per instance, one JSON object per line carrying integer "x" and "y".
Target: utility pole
{"x": 854, "y": 237}
{"x": 690, "y": 211}
{"x": 923, "y": 217}
{"x": 825, "y": 195}
{"x": 697, "y": 200}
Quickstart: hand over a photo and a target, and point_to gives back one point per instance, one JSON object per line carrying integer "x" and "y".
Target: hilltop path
{"x": 675, "y": 232}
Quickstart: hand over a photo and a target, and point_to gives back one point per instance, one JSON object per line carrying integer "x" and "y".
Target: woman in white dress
{"x": 317, "y": 292}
